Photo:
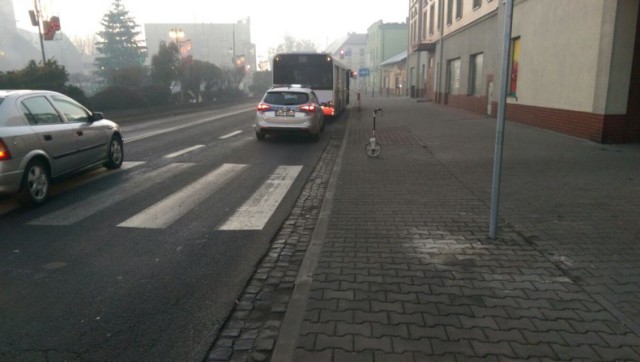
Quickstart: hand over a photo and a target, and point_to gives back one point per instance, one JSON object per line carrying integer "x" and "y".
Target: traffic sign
{"x": 363, "y": 72}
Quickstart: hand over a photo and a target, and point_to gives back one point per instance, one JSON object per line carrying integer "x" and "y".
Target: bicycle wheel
{"x": 373, "y": 150}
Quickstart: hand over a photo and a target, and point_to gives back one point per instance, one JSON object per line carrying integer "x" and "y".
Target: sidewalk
{"x": 405, "y": 271}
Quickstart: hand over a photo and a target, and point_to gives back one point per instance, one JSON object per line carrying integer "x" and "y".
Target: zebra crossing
{"x": 170, "y": 209}
{"x": 255, "y": 213}
{"x": 252, "y": 215}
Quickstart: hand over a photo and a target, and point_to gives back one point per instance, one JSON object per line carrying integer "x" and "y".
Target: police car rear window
{"x": 286, "y": 98}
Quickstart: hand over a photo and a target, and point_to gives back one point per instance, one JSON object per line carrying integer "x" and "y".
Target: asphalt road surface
{"x": 145, "y": 263}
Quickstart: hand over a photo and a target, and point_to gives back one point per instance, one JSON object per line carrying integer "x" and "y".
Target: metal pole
{"x": 38, "y": 6}
{"x": 440, "y": 66}
{"x": 234, "y": 46}
{"x": 497, "y": 162}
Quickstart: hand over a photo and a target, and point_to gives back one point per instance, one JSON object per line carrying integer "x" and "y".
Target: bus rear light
{"x": 263, "y": 107}
{"x": 4, "y": 152}
{"x": 329, "y": 111}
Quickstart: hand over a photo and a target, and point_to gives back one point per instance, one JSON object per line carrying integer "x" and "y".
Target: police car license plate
{"x": 285, "y": 112}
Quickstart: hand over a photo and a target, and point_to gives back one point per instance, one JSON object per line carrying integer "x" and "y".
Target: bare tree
{"x": 292, "y": 44}
{"x": 85, "y": 44}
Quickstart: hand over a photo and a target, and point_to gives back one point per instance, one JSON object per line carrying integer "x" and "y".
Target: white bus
{"x": 328, "y": 78}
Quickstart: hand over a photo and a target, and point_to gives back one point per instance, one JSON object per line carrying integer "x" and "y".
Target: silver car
{"x": 45, "y": 135}
{"x": 289, "y": 109}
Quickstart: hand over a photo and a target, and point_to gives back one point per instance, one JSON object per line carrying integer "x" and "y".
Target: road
{"x": 146, "y": 262}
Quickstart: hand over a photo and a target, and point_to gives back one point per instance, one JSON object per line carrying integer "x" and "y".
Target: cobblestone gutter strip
{"x": 251, "y": 331}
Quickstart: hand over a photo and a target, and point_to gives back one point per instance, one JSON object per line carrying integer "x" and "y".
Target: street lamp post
{"x": 36, "y": 15}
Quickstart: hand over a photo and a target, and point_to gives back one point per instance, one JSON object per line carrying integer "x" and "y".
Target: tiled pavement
{"x": 406, "y": 272}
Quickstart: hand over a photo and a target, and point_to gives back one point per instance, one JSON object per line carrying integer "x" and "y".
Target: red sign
{"x": 51, "y": 27}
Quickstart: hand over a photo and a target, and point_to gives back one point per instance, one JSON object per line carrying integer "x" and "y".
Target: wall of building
{"x": 632, "y": 122}
{"x": 576, "y": 73}
{"x": 618, "y": 41}
{"x": 479, "y": 38}
{"x": 559, "y": 53}
{"x": 15, "y": 51}
{"x": 351, "y": 50}
{"x": 383, "y": 42}
{"x": 579, "y": 82}
{"x": 470, "y": 13}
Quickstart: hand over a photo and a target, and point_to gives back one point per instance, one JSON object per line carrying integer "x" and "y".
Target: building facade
{"x": 225, "y": 45}
{"x": 574, "y": 64}
{"x": 394, "y": 75}
{"x": 351, "y": 50}
{"x": 383, "y": 42}
{"x": 19, "y": 46}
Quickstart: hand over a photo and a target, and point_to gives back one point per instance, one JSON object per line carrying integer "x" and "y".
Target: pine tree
{"x": 119, "y": 44}
{"x": 165, "y": 65}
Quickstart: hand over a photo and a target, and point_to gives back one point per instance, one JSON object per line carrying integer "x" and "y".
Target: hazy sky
{"x": 270, "y": 20}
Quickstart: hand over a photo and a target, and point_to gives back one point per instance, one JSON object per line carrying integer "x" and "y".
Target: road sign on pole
{"x": 363, "y": 72}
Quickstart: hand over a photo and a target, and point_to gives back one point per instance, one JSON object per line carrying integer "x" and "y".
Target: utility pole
{"x": 35, "y": 16}
{"x": 497, "y": 162}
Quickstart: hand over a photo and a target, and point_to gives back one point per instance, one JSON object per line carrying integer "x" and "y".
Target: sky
{"x": 319, "y": 21}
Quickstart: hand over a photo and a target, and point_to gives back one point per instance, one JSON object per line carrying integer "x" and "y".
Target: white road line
{"x": 11, "y": 204}
{"x": 186, "y": 150}
{"x": 230, "y": 135}
{"x": 80, "y": 210}
{"x": 175, "y": 128}
{"x": 165, "y": 212}
{"x": 254, "y": 214}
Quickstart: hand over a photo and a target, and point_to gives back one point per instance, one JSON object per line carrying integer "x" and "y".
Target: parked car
{"x": 286, "y": 109}
{"x": 44, "y": 136}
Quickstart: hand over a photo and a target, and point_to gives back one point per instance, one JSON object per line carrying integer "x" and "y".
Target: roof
{"x": 351, "y": 39}
{"x": 395, "y": 59}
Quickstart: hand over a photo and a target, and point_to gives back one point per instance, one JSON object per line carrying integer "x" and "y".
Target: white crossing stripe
{"x": 230, "y": 135}
{"x": 254, "y": 214}
{"x": 182, "y": 152}
{"x": 165, "y": 212}
{"x": 80, "y": 210}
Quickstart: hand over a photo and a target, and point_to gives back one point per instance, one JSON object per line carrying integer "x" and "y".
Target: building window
{"x": 440, "y": 11}
{"x": 431, "y": 18}
{"x": 424, "y": 24}
{"x": 459, "y": 6}
{"x": 476, "y": 83}
{"x": 449, "y": 12}
{"x": 514, "y": 67}
{"x": 477, "y": 4}
{"x": 453, "y": 75}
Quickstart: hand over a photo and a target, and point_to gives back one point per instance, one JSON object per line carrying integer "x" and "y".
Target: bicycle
{"x": 373, "y": 148}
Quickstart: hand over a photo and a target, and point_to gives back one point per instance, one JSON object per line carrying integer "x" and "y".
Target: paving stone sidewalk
{"x": 407, "y": 273}
{"x": 251, "y": 331}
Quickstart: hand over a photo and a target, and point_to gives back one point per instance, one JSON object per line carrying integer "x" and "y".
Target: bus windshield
{"x": 313, "y": 70}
